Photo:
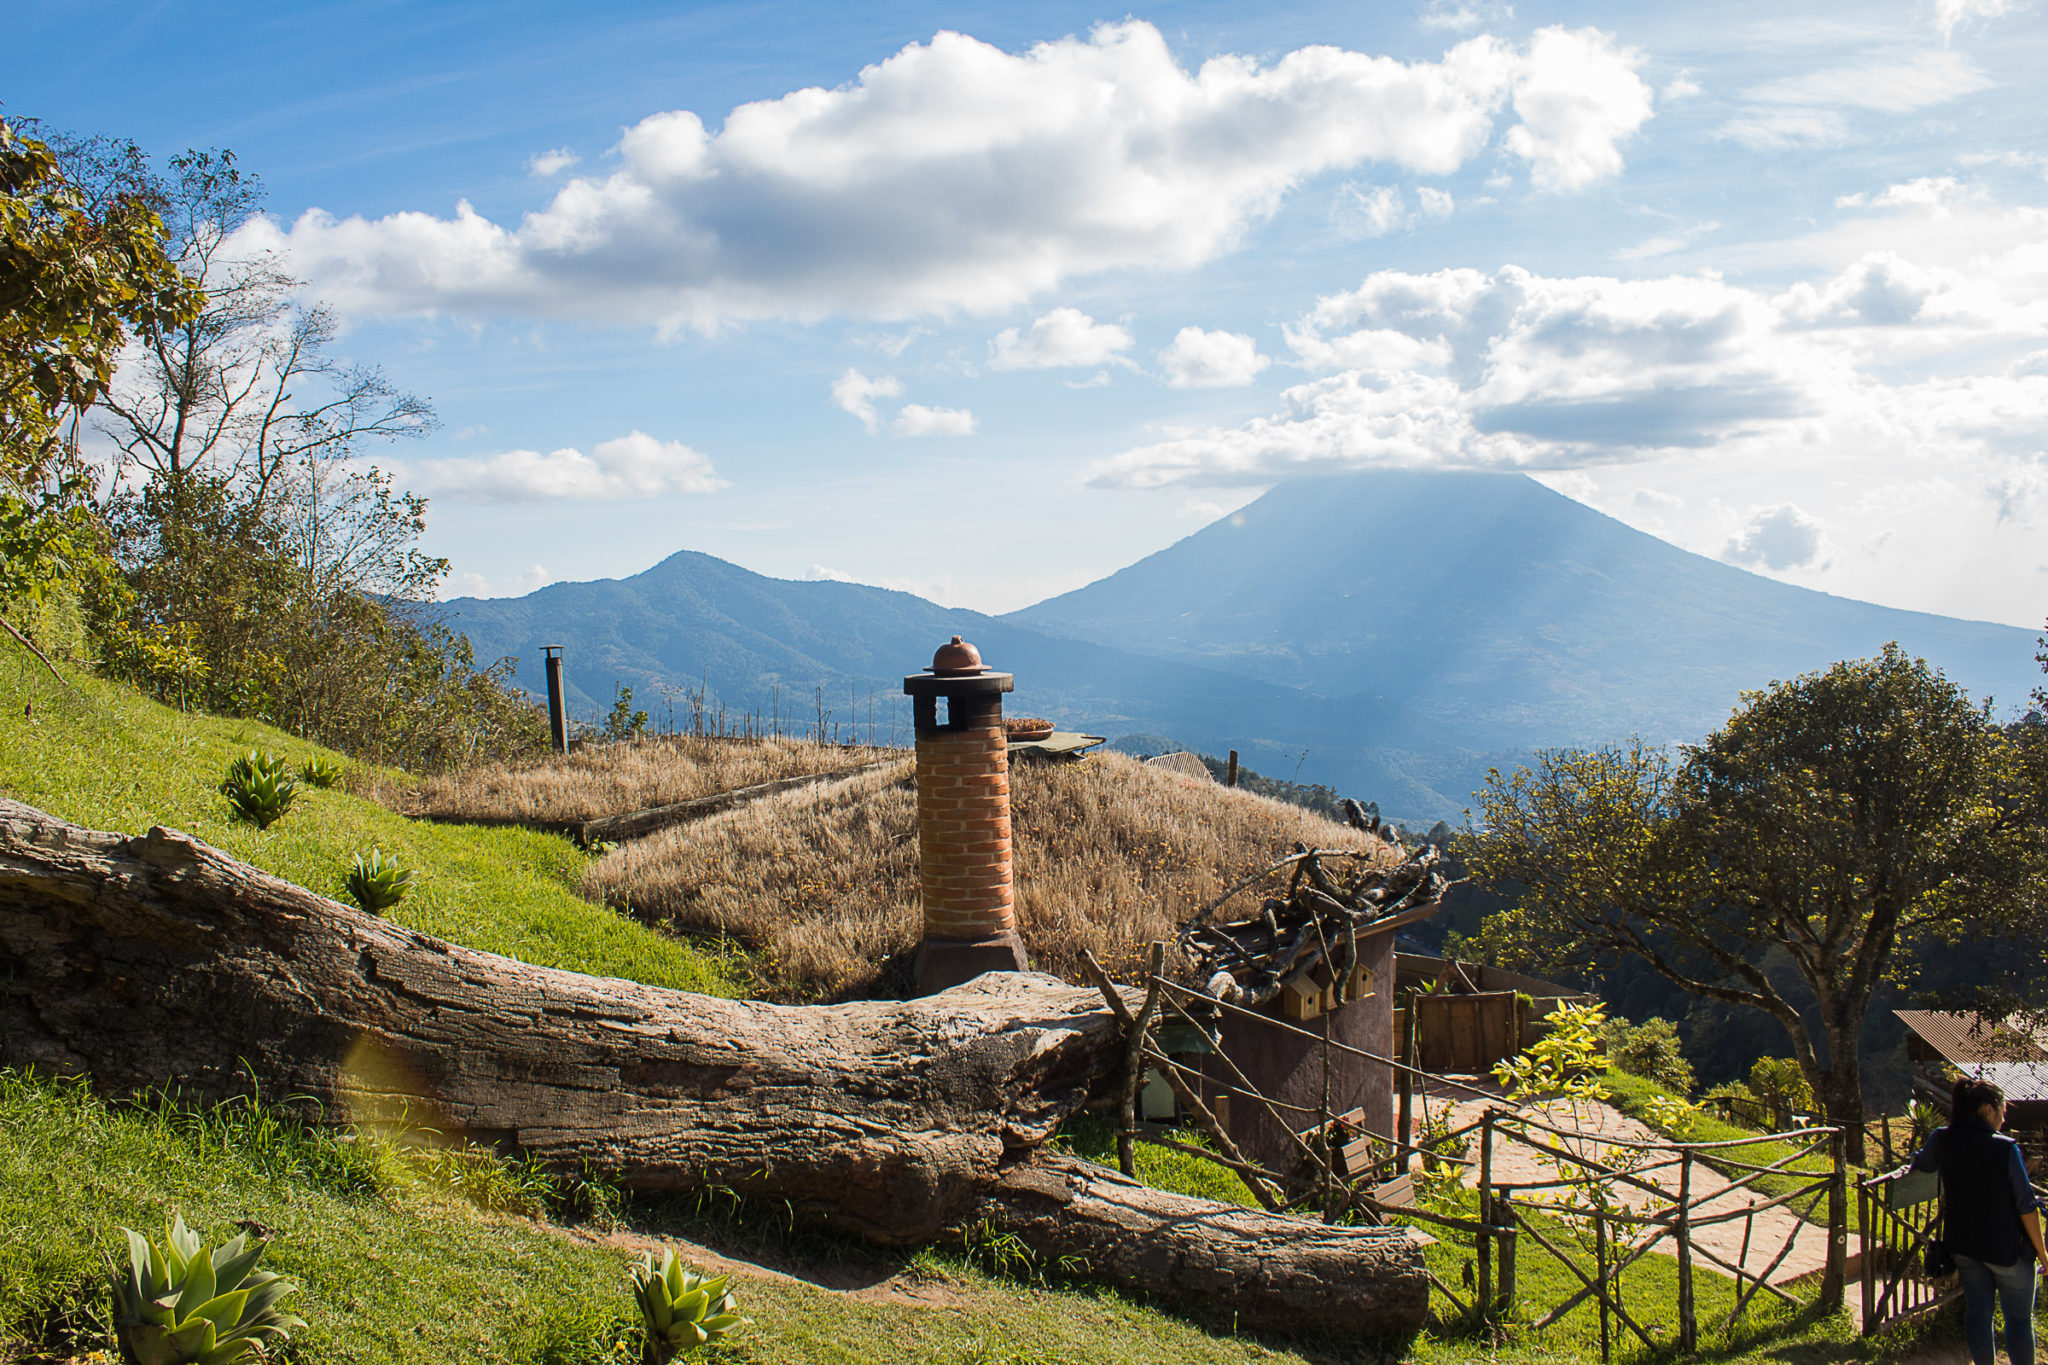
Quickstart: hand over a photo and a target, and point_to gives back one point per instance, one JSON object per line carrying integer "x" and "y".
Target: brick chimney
{"x": 963, "y": 820}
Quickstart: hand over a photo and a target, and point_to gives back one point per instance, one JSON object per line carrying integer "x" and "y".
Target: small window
{"x": 940, "y": 717}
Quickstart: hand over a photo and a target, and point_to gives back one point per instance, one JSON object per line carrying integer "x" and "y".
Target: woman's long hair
{"x": 1970, "y": 1095}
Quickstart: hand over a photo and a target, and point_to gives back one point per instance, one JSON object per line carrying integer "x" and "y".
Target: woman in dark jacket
{"x": 1992, "y": 1221}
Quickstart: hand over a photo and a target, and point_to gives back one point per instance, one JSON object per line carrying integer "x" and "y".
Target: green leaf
{"x": 198, "y": 1287}
{"x": 223, "y": 1310}
{"x": 232, "y": 1263}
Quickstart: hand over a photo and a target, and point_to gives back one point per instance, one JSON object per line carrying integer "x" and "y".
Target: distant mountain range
{"x": 1389, "y": 633}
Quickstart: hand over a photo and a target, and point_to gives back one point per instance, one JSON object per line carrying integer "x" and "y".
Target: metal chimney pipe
{"x": 558, "y": 714}
{"x": 963, "y": 821}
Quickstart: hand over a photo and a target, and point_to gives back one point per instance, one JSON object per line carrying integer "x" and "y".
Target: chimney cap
{"x": 957, "y": 659}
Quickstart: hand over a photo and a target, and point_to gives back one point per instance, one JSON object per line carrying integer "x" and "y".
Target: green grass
{"x": 108, "y": 758}
{"x": 395, "y": 1269}
{"x": 1093, "y": 1137}
{"x": 1629, "y": 1093}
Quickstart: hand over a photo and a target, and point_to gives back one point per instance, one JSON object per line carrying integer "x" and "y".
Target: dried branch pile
{"x": 1319, "y": 921}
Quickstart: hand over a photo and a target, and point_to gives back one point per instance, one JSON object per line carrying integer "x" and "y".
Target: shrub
{"x": 260, "y": 787}
{"x": 681, "y": 1309}
{"x": 320, "y": 771}
{"x": 624, "y": 722}
{"x": 378, "y": 883}
{"x": 1652, "y": 1050}
{"x": 1780, "y": 1087}
{"x": 181, "y": 1303}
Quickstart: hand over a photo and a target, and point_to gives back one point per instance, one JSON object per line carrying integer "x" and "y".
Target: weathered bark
{"x": 158, "y": 961}
{"x": 1265, "y": 1272}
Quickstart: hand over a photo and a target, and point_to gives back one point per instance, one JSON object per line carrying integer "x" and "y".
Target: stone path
{"x": 1515, "y": 1162}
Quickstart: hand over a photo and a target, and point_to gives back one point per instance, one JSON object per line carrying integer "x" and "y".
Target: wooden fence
{"x": 1465, "y": 1034}
{"x": 1346, "y": 1172}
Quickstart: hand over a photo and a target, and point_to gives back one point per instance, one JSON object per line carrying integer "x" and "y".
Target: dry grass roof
{"x": 822, "y": 882}
{"x": 615, "y": 779}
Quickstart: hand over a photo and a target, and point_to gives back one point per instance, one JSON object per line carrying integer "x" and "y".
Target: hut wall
{"x": 1289, "y": 1068}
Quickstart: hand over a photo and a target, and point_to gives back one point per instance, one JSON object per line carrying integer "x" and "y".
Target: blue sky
{"x": 985, "y": 303}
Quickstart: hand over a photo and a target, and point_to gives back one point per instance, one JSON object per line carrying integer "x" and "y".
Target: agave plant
{"x": 260, "y": 787}
{"x": 181, "y": 1304}
{"x": 320, "y": 771}
{"x": 681, "y": 1309}
{"x": 378, "y": 883}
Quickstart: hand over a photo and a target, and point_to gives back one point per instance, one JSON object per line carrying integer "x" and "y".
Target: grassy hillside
{"x": 822, "y": 882}
{"x": 398, "y": 1266}
{"x": 106, "y": 757}
{"x": 613, "y": 779}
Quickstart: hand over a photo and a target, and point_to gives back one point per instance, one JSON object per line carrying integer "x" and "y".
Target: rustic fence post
{"x": 1600, "y": 1279}
{"x": 1405, "y": 1130}
{"x": 1838, "y": 1224}
{"x": 1688, "y": 1318}
{"x": 1482, "y": 1240}
{"x": 1504, "y": 1294}
{"x": 1134, "y": 1065}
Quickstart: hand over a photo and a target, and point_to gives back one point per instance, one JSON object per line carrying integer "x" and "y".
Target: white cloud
{"x": 633, "y": 466}
{"x": 1949, "y": 13}
{"x": 856, "y": 393}
{"x": 1436, "y": 203}
{"x": 955, "y": 177}
{"x": 1211, "y": 360}
{"x": 1679, "y": 87}
{"x": 551, "y": 162}
{"x": 1369, "y": 210}
{"x": 1777, "y": 130}
{"x": 1781, "y": 537}
{"x": 1578, "y": 97}
{"x": 1462, "y": 16}
{"x": 478, "y": 585}
{"x": 1098, "y": 380}
{"x": 819, "y": 573}
{"x": 915, "y": 419}
{"x": 1201, "y": 508}
{"x": 1065, "y": 337}
{"x": 1806, "y": 110}
{"x": 1890, "y": 85}
{"x": 1665, "y": 243}
{"x": 1886, "y": 359}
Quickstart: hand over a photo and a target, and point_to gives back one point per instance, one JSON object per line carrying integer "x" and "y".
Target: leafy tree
{"x": 80, "y": 275}
{"x": 1833, "y": 820}
{"x": 624, "y": 722}
{"x": 264, "y": 567}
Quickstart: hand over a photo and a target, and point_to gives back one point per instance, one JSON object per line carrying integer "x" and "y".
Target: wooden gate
{"x": 1899, "y": 1215}
{"x": 1464, "y": 1035}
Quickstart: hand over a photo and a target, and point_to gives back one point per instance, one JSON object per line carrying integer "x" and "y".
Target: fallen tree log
{"x": 159, "y": 962}
{"x": 1268, "y": 1273}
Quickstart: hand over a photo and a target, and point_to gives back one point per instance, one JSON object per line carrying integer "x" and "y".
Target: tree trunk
{"x": 161, "y": 962}
{"x": 1268, "y": 1273}
{"x": 1842, "y": 1099}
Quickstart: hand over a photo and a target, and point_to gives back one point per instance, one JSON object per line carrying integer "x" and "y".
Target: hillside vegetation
{"x": 822, "y": 882}
{"x": 104, "y": 756}
{"x": 613, "y": 779}
{"x": 411, "y": 1261}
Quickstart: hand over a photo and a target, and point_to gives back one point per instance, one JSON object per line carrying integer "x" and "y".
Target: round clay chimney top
{"x": 957, "y": 659}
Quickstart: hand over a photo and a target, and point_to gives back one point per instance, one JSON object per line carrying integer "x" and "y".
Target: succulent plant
{"x": 378, "y": 883}
{"x": 681, "y": 1309}
{"x": 320, "y": 771}
{"x": 260, "y": 787}
{"x": 181, "y": 1304}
